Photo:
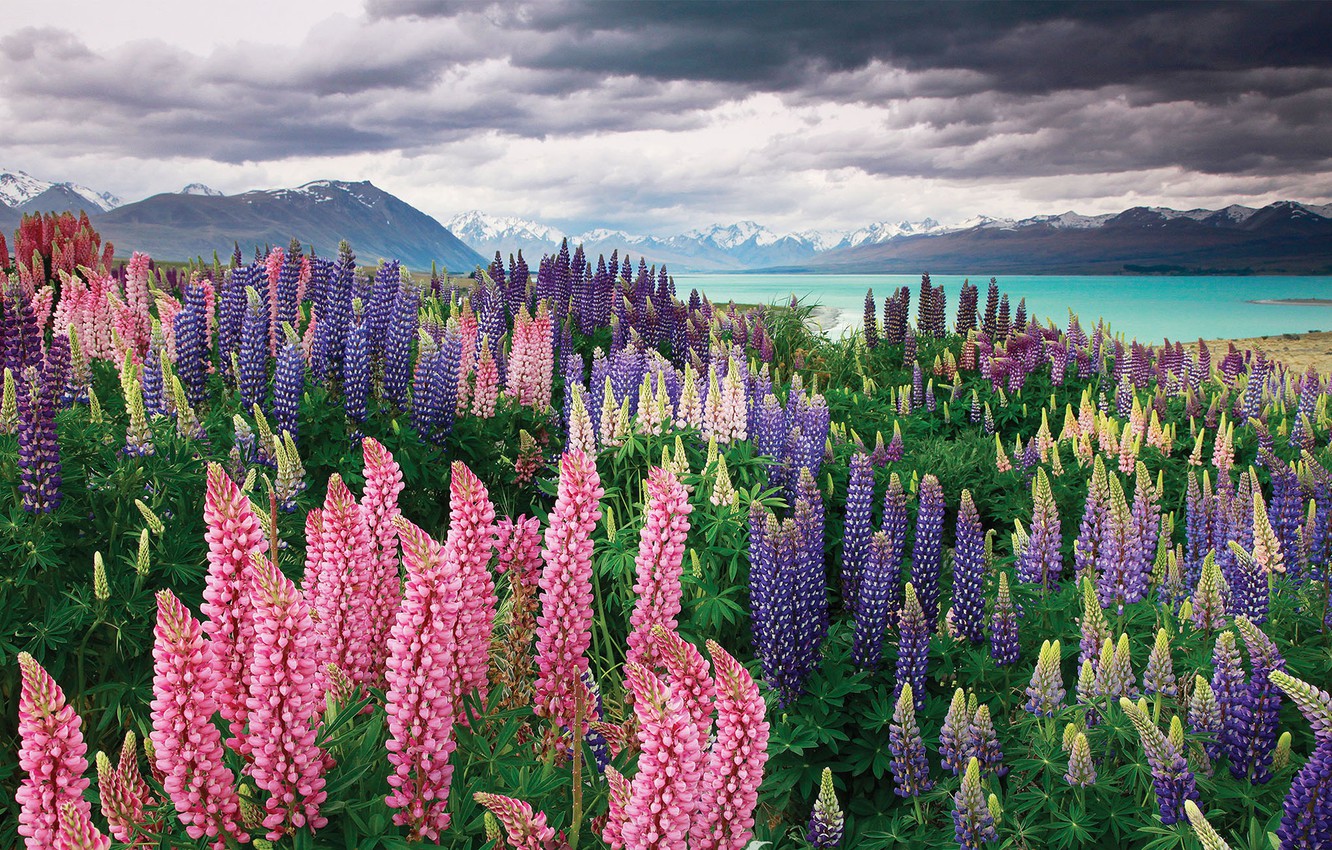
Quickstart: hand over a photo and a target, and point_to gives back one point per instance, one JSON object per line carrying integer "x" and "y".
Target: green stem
{"x": 920, "y": 817}
{"x": 577, "y": 746}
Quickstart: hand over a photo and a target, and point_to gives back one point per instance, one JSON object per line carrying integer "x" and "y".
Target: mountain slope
{"x": 18, "y": 189}
{"x": 180, "y": 226}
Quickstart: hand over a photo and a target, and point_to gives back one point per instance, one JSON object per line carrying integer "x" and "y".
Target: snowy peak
{"x": 475, "y": 226}
{"x": 728, "y": 236}
{"x": 18, "y": 188}
{"x": 200, "y": 189}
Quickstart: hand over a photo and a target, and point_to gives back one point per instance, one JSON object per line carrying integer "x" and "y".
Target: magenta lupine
{"x": 125, "y": 797}
{"x": 234, "y": 535}
{"x": 421, "y": 679}
{"x": 467, "y": 549}
{"x": 383, "y": 483}
{"x": 658, "y": 811}
{"x": 523, "y": 828}
{"x": 564, "y": 626}
{"x": 75, "y": 832}
{"x": 187, "y": 747}
{"x": 658, "y": 566}
{"x": 1041, "y": 561}
{"x": 52, "y": 754}
{"x": 341, "y": 585}
{"x": 285, "y": 704}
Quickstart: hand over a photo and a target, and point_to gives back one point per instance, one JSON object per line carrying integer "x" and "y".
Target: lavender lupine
{"x": 1158, "y": 677}
{"x": 909, "y": 765}
{"x": 1045, "y": 694}
{"x": 969, "y": 571}
{"x": 953, "y": 734}
{"x": 973, "y": 825}
{"x": 983, "y": 743}
{"x": 1003, "y": 627}
{"x": 1205, "y": 718}
{"x": 1171, "y": 777}
{"x": 1041, "y": 561}
{"x": 927, "y": 551}
{"x": 825, "y": 820}
{"x": 1081, "y": 768}
{"x": 913, "y": 649}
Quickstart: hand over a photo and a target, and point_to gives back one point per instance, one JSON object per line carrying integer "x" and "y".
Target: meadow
{"x": 300, "y": 555}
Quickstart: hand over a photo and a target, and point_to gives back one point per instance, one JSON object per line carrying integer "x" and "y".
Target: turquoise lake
{"x": 1148, "y": 308}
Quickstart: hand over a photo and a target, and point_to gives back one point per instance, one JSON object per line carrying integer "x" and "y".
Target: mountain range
{"x": 1282, "y": 238}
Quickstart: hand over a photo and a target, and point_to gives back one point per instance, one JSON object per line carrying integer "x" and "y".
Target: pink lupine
{"x": 468, "y": 332}
{"x": 661, "y": 797}
{"x": 234, "y": 534}
{"x": 524, "y": 829}
{"x": 133, "y": 319}
{"x": 285, "y": 704}
{"x": 531, "y": 358}
{"x": 659, "y": 564}
{"x": 343, "y": 593}
{"x": 564, "y": 626}
{"x": 383, "y": 483}
{"x": 273, "y": 264}
{"x": 467, "y": 549}
{"x": 518, "y": 545}
{"x": 734, "y": 771}
{"x": 618, "y": 798}
{"x": 126, "y": 797}
{"x": 582, "y": 433}
{"x": 187, "y": 747}
{"x": 422, "y": 677}
{"x": 76, "y": 832}
{"x": 52, "y": 754}
{"x": 486, "y": 391}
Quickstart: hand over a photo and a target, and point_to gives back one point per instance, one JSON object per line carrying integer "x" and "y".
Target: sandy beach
{"x": 1297, "y": 351}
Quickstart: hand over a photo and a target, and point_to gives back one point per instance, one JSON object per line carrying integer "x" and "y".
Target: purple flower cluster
{"x": 927, "y": 551}
{"x": 969, "y": 571}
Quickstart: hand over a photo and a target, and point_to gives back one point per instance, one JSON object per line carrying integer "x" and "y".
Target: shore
{"x": 1295, "y": 302}
{"x": 1297, "y": 351}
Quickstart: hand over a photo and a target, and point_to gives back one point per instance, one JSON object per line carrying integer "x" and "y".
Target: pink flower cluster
{"x": 532, "y": 358}
{"x": 659, "y": 563}
{"x": 379, "y": 502}
{"x": 467, "y": 550}
{"x": 52, "y": 753}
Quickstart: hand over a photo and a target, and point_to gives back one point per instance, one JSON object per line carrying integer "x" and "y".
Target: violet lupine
{"x": 953, "y": 733}
{"x": 1094, "y": 515}
{"x": 1171, "y": 777}
{"x": 1306, "y": 821}
{"x": 402, "y": 330}
{"x": 1120, "y": 578}
{"x": 773, "y": 592}
{"x": 811, "y": 578}
{"x": 858, "y": 527}
{"x": 1205, "y": 718}
{"x": 341, "y": 585}
{"x": 52, "y": 754}
{"x": 927, "y": 552}
{"x": 564, "y": 626}
{"x": 913, "y": 649}
{"x": 1158, "y": 677}
{"x": 38, "y": 446}
{"x": 356, "y": 366}
{"x": 421, "y": 677}
{"x": 969, "y": 570}
{"x": 878, "y": 589}
{"x": 1041, "y": 561}
{"x": 1045, "y": 693}
{"x": 983, "y": 743}
{"x": 1081, "y": 769}
{"x": 659, "y": 564}
{"x": 192, "y": 345}
{"x": 1003, "y": 627}
{"x": 284, "y": 705}
{"x": 1257, "y": 709}
{"x": 467, "y": 550}
{"x": 253, "y": 359}
{"x": 379, "y": 502}
{"x": 234, "y": 535}
{"x": 1229, "y": 689}
{"x": 973, "y": 825}
{"x": 1198, "y": 521}
{"x": 909, "y": 766}
{"x": 661, "y": 799}
{"x": 826, "y": 820}
{"x": 289, "y": 384}
{"x": 187, "y": 747}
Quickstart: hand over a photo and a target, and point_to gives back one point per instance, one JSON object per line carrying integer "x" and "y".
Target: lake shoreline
{"x": 1293, "y": 302}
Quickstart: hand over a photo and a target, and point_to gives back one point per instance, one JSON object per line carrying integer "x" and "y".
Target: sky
{"x": 658, "y": 117}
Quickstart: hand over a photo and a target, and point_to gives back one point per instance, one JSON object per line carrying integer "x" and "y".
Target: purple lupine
{"x": 913, "y": 648}
{"x": 871, "y": 322}
{"x": 402, "y": 328}
{"x": 858, "y": 527}
{"x": 1094, "y": 516}
{"x": 927, "y": 551}
{"x": 253, "y": 360}
{"x": 895, "y": 528}
{"x": 983, "y": 743}
{"x": 192, "y": 356}
{"x": 1045, "y": 693}
{"x": 1041, "y": 560}
{"x": 909, "y": 765}
{"x": 774, "y": 588}
{"x": 1004, "y": 647}
{"x": 1286, "y": 513}
{"x": 333, "y": 319}
{"x": 1306, "y": 821}
{"x": 968, "y": 613}
{"x": 1171, "y": 777}
{"x": 230, "y": 313}
{"x": 973, "y": 825}
{"x": 1256, "y": 710}
{"x": 1306, "y": 410}
{"x": 1229, "y": 690}
{"x": 1197, "y": 530}
{"x": 38, "y": 447}
{"x": 356, "y": 367}
{"x": 289, "y": 384}
{"x": 379, "y": 306}
{"x": 1145, "y": 529}
{"x": 967, "y": 301}
{"x": 953, "y": 734}
{"x": 812, "y": 579}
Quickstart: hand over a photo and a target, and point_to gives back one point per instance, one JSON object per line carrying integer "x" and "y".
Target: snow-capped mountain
{"x": 26, "y": 193}
{"x": 200, "y": 189}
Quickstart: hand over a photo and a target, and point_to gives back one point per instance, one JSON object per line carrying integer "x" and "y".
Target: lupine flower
{"x": 564, "y": 627}
{"x": 1114, "y": 672}
{"x": 379, "y": 503}
{"x": 486, "y": 391}
{"x": 983, "y": 743}
{"x": 467, "y": 549}
{"x": 877, "y": 589}
{"x": 234, "y": 535}
{"x": 342, "y": 586}
{"x": 895, "y": 527}
{"x": 826, "y": 819}
{"x": 659, "y": 564}
{"x": 1207, "y": 836}
{"x": 1209, "y": 607}
{"x": 1267, "y": 551}
{"x": 38, "y": 448}
{"x": 1171, "y": 777}
{"x": 953, "y": 735}
{"x": 909, "y": 765}
{"x": 969, "y": 571}
{"x": 927, "y": 554}
{"x": 1158, "y": 677}
{"x": 723, "y": 491}
{"x": 76, "y": 832}
{"x": 284, "y": 704}
{"x": 1094, "y": 515}
{"x": 52, "y": 754}
{"x": 972, "y": 823}
{"x": 1095, "y": 629}
{"x": 1081, "y": 769}
{"x": 253, "y": 359}
{"x": 1258, "y": 706}
{"x": 187, "y": 747}
{"x": 1229, "y": 689}
{"x": 525, "y": 829}
{"x": 421, "y": 678}
{"x": 125, "y": 796}
{"x": 913, "y": 648}
{"x": 1205, "y": 717}
{"x": 356, "y": 366}
{"x": 1041, "y": 561}
{"x": 1306, "y": 821}
{"x": 661, "y": 799}
{"x": 1045, "y": 694}
{"x": 289, "y": 384}
{"x": 857, "y": 527}
{"x": 1003, "y": 627}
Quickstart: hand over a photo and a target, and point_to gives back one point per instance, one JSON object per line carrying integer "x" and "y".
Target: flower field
{"x": 301, "y": 552}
